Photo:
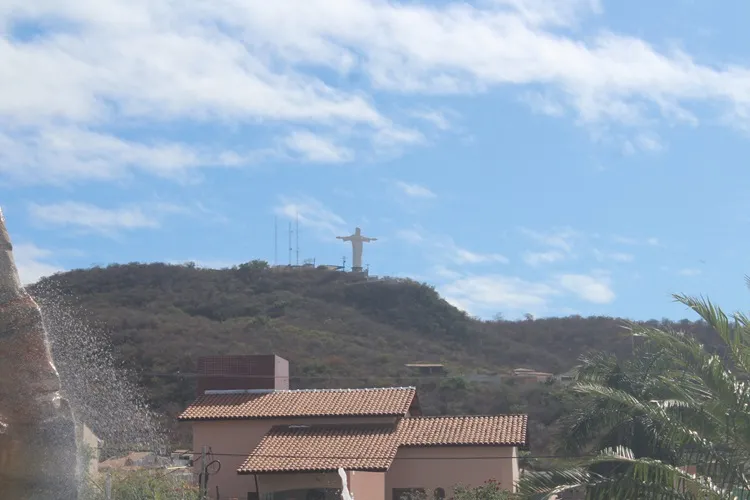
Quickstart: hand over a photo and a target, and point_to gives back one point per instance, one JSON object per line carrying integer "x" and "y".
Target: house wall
{"x": 282, "y": 482}
{"x": 87, "y": 438}
{"x": 282, "y": 374}
{"x": 233, "y": 440}
{"x": 448, "y": 466}
{"x": 367, "y": 485}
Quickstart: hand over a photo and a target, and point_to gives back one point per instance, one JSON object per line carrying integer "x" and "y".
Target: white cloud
{"x": 317, "y": 149}
{"x": 462, "y": 256}
{"x": 561, "y": 239}
{"x": 613, "y": 256}
{"x": 101, "y": 220}
{"x": 105, "y": 65}
{"x": 416, "y": 47}
{"x": 414, "y": 190}
{"x": 627, "y": 240}
{"x": 537, "y": 258}
{"x": 449, "y": 252}
{"x": 437, "y": 118}
{"x": 396, "y": 137}
{"x": 446, "y": 273}
{"x": 59, "y": 154}
{"x": 497, "y": 292}
{"x": 33, "y": 262}
{"x": 485, "y": 295}
{"x": 649, "y": 142}
{"x": 689, "y": 272}
{"x": 594, "y": 289}
{"x": 444, "y": 250}
{"x": 543, "y": 104}
{"x": 412, "y": 236}
{"x": 313, "y": 214}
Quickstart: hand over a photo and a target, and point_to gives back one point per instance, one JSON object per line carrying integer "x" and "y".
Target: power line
{"x": 359, "y": 457}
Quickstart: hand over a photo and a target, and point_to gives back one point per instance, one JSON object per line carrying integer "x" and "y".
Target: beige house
{"x": 526, "y": 375}
{"x": 90, "y": 445}
{"x": 290, "y": 444}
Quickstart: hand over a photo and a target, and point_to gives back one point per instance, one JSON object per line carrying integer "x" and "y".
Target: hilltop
{"x": 335, "y": 328}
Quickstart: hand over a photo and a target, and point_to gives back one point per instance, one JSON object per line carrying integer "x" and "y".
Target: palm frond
{"x": 633, "y": 478}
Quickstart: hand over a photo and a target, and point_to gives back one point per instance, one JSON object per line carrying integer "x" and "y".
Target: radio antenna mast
{"x": 275, "y": 240}
{"x": 296, "y": 232}
{"x": 290, "y": 244}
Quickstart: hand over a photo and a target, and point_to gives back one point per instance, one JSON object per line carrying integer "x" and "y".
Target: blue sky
{"x": 553, "y": 157}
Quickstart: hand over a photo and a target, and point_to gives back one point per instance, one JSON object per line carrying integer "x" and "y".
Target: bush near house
{"x": 490, "y": 490}
{"x": 140, "y": 485}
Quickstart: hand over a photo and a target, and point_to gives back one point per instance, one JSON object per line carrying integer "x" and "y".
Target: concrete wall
{"x": 447, "y": 466}
{"x": 367, "y": 485}
{"x": 234, "y": 440}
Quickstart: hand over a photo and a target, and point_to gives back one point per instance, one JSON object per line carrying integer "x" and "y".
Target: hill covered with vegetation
{"x": 336, "y": 329}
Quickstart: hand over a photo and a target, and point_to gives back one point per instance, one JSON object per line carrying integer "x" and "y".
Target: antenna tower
{"x": 290, "y": 244}
{"x": 275, "y": 241}
{"x": 296, "y": 232}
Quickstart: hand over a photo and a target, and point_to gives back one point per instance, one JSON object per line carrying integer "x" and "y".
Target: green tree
{"x": 141, "y": 485}
{"x": 643, "y": 422}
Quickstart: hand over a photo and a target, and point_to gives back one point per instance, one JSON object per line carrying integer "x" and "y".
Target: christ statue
{"x": 357, "y": 239}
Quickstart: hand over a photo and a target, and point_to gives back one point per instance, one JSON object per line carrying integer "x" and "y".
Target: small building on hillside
{"x": 281, "y": 444}
{"x": 427, "y": 368}
{"x": 526, "y": 375}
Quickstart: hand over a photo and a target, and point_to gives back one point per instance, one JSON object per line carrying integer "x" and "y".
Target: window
{"x": 408, "y": 493}
{"x": 439, "y": 494}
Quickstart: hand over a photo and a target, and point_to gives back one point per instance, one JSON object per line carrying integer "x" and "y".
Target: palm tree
{"x": 643, "y": 422}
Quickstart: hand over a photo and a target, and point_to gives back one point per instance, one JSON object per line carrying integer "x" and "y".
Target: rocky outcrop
{"x": 37, "y": 430}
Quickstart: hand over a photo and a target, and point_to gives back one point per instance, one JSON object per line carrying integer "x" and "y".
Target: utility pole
{"x": 203, "y": 477}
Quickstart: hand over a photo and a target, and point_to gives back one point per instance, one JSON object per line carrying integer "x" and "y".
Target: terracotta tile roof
{"x": 498, "y": 430}
{"x": 373, "y": 447}
{"x": 323, "y": 448}
{"x": 390, "y": 401}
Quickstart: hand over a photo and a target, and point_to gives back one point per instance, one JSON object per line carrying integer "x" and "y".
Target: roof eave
{"x": 246, "y": 472}
{"x": 274, "y": 417}
{"x": 464, "y": 445}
